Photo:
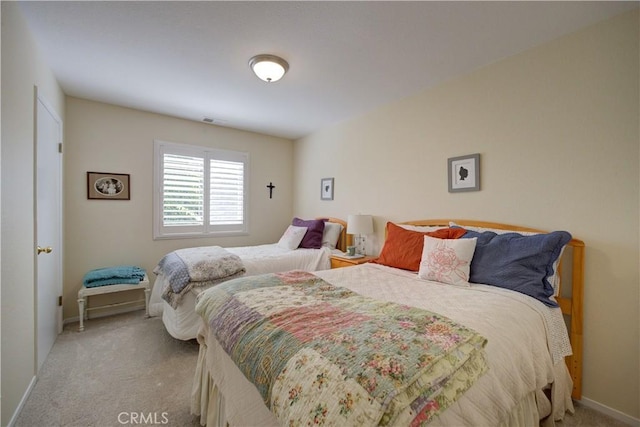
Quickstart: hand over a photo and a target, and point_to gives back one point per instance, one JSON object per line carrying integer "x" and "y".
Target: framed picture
{"x": 326, "y": 189}
{"x": 108, "y": 186}
{"x": 464, "y": 173}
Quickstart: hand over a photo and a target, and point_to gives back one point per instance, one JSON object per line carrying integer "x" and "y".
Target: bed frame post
{"x": 574, "y": 362}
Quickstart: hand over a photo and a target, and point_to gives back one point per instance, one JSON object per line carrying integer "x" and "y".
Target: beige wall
{"x": 22, "y": 69}
{"x": 557, "y": 130}
{"x": 107, "y": 138}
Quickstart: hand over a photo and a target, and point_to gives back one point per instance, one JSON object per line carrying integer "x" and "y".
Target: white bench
{"x": 85, "y": 292}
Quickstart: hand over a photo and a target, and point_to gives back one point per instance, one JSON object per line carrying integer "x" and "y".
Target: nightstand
{"x": 338, "y": 261}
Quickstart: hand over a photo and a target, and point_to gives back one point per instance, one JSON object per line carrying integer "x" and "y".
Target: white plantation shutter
{"x": 199, "y": 191}
{"x": 226, "y": 192}
{"x": 183, "y": 188}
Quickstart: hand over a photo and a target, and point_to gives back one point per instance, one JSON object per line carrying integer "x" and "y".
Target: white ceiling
{"x": 190, "y": 59}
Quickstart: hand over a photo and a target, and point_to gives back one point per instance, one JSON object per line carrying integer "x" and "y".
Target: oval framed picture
{"x": 108, "y": 186}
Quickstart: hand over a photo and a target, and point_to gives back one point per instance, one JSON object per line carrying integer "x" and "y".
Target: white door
{"x": 48, "y": 228}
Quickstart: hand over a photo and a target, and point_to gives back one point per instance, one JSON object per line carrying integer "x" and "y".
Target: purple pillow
{"x": 313, "y": 238}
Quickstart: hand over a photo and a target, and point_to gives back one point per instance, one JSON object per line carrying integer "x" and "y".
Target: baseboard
{"x": 25, "y": 396}
{"x": 613, "y": 413}
{"x": 98, "y": 312}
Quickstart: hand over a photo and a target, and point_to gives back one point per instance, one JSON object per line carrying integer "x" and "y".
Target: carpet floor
{"x": 127, "y": 370}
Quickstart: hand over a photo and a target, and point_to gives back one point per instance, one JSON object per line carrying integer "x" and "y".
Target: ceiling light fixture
{"x": 269, "y": 68}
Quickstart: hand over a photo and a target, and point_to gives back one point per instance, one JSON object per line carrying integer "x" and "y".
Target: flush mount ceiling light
{"x": 269, "y": 68}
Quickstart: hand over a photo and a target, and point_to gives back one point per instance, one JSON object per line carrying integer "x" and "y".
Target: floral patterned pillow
{"x": 292, "y": 237}
{"x": 446, "y": 260}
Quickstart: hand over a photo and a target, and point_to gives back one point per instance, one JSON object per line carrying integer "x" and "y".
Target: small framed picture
{"x": 108, "y": 186}
{"x": 326, "y": 189}
{"x": 464, "y": 173}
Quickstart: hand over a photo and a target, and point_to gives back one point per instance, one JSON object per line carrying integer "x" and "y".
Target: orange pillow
{"x": 403, "y": 248}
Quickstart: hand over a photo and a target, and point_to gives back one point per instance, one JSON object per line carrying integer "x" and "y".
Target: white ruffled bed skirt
{"x": 243, "y": 404}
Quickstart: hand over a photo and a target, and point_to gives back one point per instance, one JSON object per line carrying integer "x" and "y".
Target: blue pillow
{"x": 517, "y": 262}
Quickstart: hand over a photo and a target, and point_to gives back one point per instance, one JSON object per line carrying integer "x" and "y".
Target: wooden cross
{"x": 271, "y": 187}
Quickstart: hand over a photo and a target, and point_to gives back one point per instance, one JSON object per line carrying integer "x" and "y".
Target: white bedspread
{"x": 520, "y": 362}
{"x": 273, "y": 258}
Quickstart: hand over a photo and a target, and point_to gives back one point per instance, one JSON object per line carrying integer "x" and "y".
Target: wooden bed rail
{"x": 574, "y": 307}
{"x": 570, "y": 305}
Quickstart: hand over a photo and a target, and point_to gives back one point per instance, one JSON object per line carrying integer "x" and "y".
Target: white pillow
{"x": 292, "y": 237}
{"x": 331, "y": 234}
{"x": 447, "y": 260}
{"x": 421, "y": 228}
{"x": 495, "y": 230}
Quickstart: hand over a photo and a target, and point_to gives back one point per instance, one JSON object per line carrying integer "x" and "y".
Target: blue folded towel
{"x": 122, "y": 274}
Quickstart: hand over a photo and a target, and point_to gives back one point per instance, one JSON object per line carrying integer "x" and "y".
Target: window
{"x": 199, "y": 191}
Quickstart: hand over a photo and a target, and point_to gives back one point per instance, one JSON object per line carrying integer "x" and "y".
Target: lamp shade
{"x": 359, "y": 224}
{"x": 269, "y": 68}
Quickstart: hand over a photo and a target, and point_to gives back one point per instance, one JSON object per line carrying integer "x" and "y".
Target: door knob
{"x": 46, "y": 250}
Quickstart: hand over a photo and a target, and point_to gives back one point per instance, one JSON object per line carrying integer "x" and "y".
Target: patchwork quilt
{"x": 322, "y": 354}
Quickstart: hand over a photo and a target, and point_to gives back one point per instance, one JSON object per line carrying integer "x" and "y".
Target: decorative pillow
{"x": 313, "y": 238}
{"x": 446, "y": 260}
{"x": 517, "y": 262}
{"x": 292, "y": 237}
{"x": 403, "y": 248}
{"x": 331, "y": 234}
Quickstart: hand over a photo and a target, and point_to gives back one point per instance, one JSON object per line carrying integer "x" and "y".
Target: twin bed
{"x": 375, "y": 344}
{"x": 178, "y": 311}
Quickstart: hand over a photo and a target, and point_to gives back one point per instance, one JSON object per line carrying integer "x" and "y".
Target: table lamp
{"x": 360, "y": 225}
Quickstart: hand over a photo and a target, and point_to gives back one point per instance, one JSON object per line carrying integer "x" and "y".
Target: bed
{"x": 178, "y": 314}
{"x": 517, "y": 359}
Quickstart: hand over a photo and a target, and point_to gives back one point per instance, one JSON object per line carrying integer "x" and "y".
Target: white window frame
{"x": 160, "y": 231}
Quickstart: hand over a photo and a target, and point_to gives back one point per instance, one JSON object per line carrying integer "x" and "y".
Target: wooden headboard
{"x": 570, "y": 305}
{"x": 345, "y": 239}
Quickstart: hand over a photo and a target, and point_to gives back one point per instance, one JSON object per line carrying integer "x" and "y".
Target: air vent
{"x": 216, "y": 121}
